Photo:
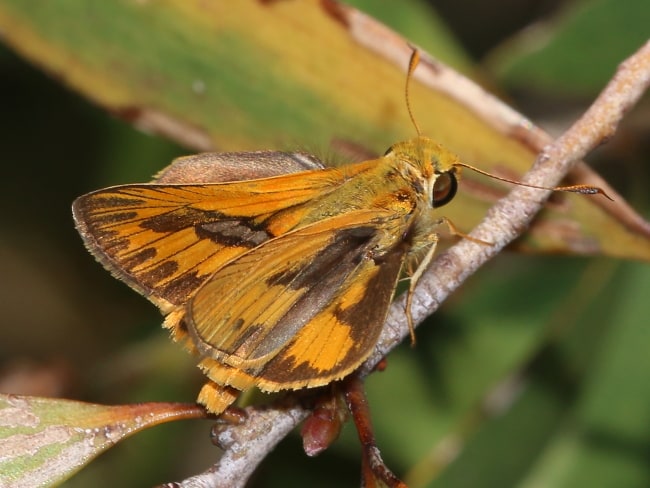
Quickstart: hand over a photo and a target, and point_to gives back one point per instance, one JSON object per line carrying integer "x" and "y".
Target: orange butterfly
{"x": 281, "y": 282}
{"x": 275, "y": 271}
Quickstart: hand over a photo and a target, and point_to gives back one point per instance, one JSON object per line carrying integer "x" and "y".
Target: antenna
{"x": 583, "y": 189}
{"x": 413, "y": 63}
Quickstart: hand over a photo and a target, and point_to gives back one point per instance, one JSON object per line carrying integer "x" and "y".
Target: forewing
{"x": 166, "y": 240}
{"x": 238, "y": 166}
{"x": 301, "y": 309}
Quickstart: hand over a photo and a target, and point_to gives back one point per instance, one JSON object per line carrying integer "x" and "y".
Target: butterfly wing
{"x": 236, "y": 166}
{"x": 271, "y": 294}
{"x": 300, "y": 310}
{"x": 166, "y": 240}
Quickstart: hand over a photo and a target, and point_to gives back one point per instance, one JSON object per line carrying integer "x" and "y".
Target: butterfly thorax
{"x": 397, "y": 188}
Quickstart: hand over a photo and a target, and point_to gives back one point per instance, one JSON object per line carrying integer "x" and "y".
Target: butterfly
{"x": 279, "y": 282}
{"x": 274, "y": 270}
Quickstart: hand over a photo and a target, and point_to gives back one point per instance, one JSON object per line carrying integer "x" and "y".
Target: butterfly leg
{"x": 453, "y": 230}
{"x": 415, "y": 277}
{"x": 432, "y": 239}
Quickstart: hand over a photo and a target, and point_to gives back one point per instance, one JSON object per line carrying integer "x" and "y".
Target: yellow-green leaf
{"x": 275, "y": 75}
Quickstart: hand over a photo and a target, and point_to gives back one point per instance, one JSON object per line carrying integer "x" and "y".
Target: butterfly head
{"x": 432, "y": 168}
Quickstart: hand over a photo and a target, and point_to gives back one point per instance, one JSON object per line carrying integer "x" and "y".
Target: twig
{"x": 247, "y": 444}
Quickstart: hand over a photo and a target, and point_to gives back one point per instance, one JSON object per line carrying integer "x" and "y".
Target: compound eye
{"x": 444, "y": 189}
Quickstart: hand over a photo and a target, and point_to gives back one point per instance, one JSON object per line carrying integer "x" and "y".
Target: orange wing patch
{"x": 166, "y": 240}
{"x": 290, "y": 321}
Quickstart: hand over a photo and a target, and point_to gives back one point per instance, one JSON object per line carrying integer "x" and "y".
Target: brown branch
{"x": 247, "y": 444}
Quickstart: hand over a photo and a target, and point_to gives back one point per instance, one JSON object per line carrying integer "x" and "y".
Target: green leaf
{"x": 44, "y": 441}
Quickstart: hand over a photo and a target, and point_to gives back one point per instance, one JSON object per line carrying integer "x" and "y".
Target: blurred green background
{"x": 568, "y": 339}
